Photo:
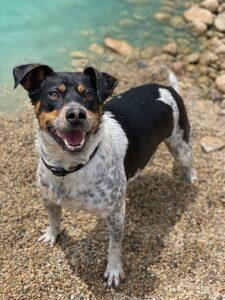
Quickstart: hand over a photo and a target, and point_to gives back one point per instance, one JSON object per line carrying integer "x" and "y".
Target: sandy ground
{"x": 174, "y": 237}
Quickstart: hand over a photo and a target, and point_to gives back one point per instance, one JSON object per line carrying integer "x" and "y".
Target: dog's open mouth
{"x": 71, "y": 140}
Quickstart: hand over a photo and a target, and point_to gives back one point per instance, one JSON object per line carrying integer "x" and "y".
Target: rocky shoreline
{"x": 205, "y": 63}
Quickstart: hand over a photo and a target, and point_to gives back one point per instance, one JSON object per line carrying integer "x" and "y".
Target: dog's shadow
{"x": 154, "y": 205}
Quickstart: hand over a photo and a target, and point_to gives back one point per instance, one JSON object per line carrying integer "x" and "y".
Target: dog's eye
{"x": 54, "y": 95}
{"x": 89, "y": 96}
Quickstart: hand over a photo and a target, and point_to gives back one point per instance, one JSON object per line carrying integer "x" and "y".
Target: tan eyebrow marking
{"x": 81, "y": 88}
{"x": 62, "y": 88}
{"x": 37, "y": 107}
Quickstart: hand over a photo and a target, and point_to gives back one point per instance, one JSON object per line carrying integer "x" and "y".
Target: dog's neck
{"x": 54, "y": 155}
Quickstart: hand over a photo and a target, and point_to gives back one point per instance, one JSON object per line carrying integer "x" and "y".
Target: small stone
{"x": 194, "y": 13}
{"x": 210, "y": 144}
{"x": 119, "y": 46}
{"x": 79, "y": 63}
{"x": 217, "y": 45}
{"x": 222, "y": 112}
{"x": 220, "y": 22}
{"x": 211, "y": 5}
{"x": 215, "y": 95}
{"x": 177, "y": 67}
{"x": 177, "y": 22}
{"x": 170, "y": 48}
{"x": 127, "y": 22}
{"x": 220, "y": 83}
{"x": 222, "y": 104}
{"x": 208, "y": 57}
{"x": 193, "y": 58}
{"x": 198, "y": 28}
{"x": 138, "y": 17}
{"x": 78, "y": 54}
{"x": 95, "y": 48}
{"x": 221, "y": 8}
{"x": 161, "y": 17}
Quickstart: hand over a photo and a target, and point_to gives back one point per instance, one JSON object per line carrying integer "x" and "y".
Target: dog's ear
{"x": 31, "y": 76}
{"x": 103, "y": 83}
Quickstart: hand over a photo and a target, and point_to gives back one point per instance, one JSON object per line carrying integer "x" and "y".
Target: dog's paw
{"x": 191, "y": 175}
{"x": 113, "y": 275}
{"x": 50, "y": 236}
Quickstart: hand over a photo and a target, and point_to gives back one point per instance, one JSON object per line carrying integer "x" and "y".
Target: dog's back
{"x": 148, "y": 115}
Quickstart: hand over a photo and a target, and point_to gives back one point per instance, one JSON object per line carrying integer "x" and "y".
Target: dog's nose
{"x": 76, "y": 115}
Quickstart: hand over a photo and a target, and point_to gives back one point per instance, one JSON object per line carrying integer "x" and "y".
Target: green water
{"x": 48, "y": 30}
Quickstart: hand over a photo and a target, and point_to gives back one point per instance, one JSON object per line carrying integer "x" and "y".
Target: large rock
{"x": 196, "y": 14}
{"x": 119, "y": 46}
{"x": 211, "y": 5}
{"x": 220, "y": 22}
{"x": 220, "y": 83}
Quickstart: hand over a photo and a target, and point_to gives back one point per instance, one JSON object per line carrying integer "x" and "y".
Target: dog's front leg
{"x": 115, "y": 221}
{"x": 54, "y": 218}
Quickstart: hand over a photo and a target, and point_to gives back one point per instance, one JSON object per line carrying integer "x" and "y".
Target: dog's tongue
{"x": 73, "y": 138}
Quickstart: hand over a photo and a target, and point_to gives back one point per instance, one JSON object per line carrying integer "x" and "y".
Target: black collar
{"x": 60, "y": 172}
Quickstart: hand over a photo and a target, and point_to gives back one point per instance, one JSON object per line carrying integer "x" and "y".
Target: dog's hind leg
{"x": 54, "y": 217}
{"x": 181, "y": 150}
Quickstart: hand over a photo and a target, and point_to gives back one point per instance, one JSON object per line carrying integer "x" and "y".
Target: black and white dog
{"x": 90, "y": 149}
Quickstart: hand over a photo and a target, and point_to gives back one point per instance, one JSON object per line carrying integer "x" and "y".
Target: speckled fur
{"x": 179, "y": 148}
{"x": 98, "y": 188}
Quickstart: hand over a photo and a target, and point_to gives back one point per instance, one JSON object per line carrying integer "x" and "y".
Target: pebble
{"x": 215, "y": 95}
{"x": 95, "y": 48}
{"x": 211, "y": 5}
{"x": 119, "y": 46}
{"x": 220, "y": 83}
{"x": 222, "y": 112}
{"x": 177, "y": 22}
{"x": 217, "y": 45}
{"x": 210, "y": 144}
{"x": 198, "y": 27}
{"x": 170, "y": 48}
{"x": 208, "y": 57}
{"x": 193, "y": 57}
{"x": 161, "y": 17}
{"x": 79, "y": 63}
{"x": 220, "y": 22}
{"x": 222, "y": 104}
{"x": 221, "y": 8}
{"x": 78, "y": 54}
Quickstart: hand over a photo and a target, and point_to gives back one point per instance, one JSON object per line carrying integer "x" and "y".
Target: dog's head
{"x": 68, "y": 106}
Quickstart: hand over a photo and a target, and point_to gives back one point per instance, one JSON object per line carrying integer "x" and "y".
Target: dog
{"x": 90, "y": 148}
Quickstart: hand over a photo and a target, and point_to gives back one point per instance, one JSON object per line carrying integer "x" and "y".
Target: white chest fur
{"x": 99, "y": 185}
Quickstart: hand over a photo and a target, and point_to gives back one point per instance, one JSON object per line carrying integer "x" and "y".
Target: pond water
{"x": 48, "y": 30}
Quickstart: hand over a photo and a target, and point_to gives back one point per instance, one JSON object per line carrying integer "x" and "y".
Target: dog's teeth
{"x": 58, "y": 133}
{"x": 67, "y": 144}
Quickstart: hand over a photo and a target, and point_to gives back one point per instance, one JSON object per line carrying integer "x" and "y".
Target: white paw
{"x": 113, "y": 274}
{"x": 50, "y": 236}
{"x": 191, "y": 175}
